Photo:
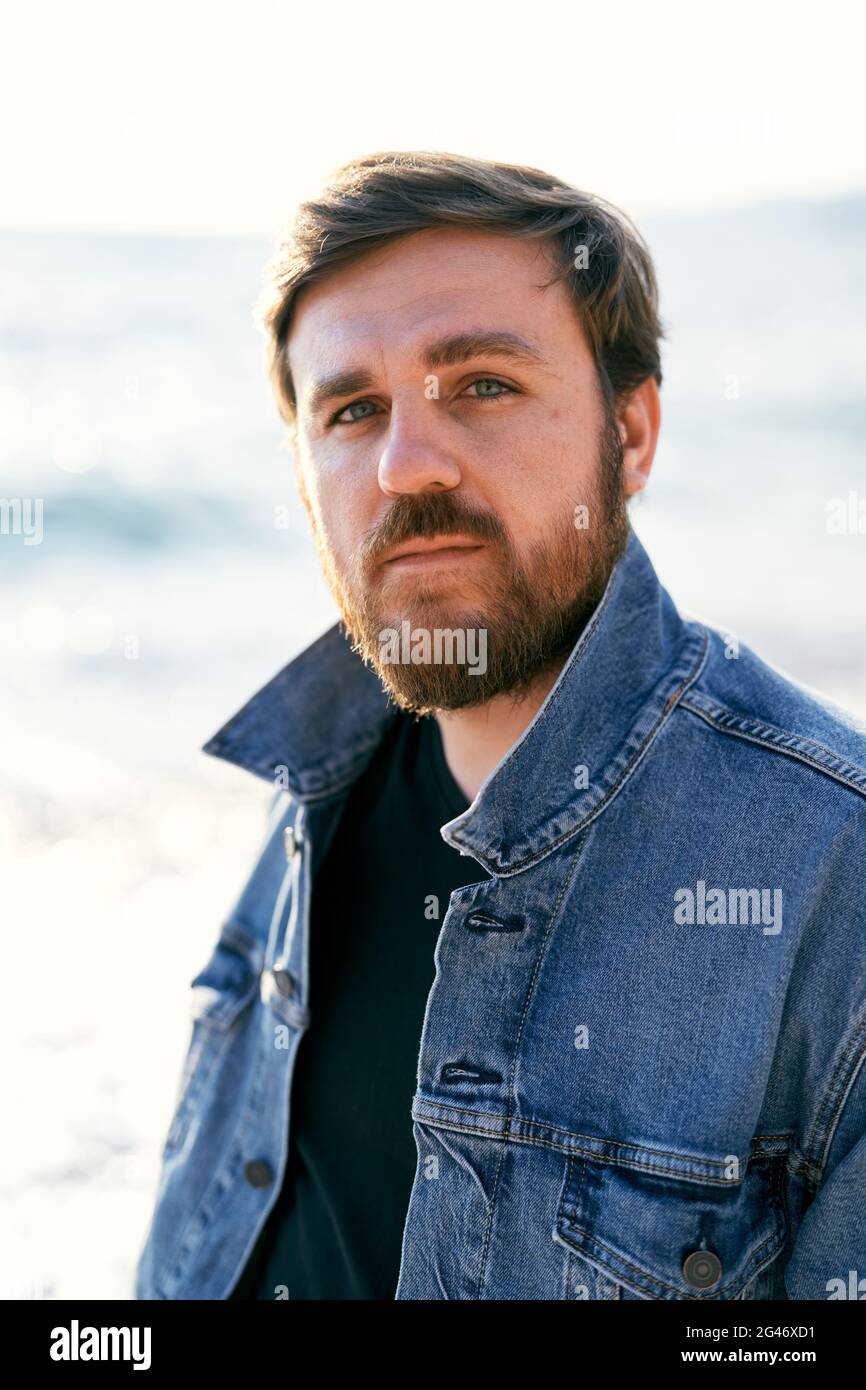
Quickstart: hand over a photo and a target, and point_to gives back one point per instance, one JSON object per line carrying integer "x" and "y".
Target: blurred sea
{"x": 166, "y": 589}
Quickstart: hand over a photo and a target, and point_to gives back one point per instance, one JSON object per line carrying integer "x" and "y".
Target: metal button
{"x": 284, "y": 982}
{"x": 702, "y": 1269}
{"x": 258, "y": 1173}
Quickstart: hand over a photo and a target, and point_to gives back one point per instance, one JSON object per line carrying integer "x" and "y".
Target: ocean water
{"x": 175, "y": 575}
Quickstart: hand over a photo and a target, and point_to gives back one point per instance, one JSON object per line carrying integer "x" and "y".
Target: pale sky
{"x": 180, "y": 116}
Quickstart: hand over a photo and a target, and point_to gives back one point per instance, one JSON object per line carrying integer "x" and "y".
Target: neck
{"x": 476, "y": 739}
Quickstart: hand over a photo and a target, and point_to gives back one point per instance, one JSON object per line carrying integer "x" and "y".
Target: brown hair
{"x": 370, "y": 201}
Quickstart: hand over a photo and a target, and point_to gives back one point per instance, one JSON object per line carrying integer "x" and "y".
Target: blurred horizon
{"x": 852, "y": 192}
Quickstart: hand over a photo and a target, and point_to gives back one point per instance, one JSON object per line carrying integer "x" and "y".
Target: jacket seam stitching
{"x": 771, "y": 745}
{"x": 601, "y": 1138}
{"x": 507, "y": 1137}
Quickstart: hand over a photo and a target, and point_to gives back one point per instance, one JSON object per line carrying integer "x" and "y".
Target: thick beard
{"x": 533, "y": 612}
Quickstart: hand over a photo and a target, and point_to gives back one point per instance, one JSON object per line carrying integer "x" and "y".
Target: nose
{"x": 416, "y": 457}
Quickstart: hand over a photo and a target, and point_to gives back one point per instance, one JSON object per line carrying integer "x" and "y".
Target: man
{"x": 549, "y": 982}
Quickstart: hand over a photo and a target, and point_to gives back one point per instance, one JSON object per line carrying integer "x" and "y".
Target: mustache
{"x": 426, "y": 514}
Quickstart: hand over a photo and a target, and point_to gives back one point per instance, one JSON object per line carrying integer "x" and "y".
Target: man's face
{"x": 455, "y": 486}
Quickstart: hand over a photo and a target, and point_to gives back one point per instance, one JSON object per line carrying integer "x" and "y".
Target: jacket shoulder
{"x": 739, "y": 694}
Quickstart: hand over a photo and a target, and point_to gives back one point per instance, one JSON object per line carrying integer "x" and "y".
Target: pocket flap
{"x": 229, "y": 980}
{"x": 664, "y": 1236}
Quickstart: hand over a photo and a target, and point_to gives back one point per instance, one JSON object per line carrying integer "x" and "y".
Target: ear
{"x": 639, "y": 420}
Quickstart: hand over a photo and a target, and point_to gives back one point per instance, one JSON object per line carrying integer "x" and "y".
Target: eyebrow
{"x": 444, "y": 352}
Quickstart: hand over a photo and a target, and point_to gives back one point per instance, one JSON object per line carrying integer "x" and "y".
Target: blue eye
{"x": 352, "y": 406}
{"x": 503, "y": 389}
{"x": 491, "y": 381}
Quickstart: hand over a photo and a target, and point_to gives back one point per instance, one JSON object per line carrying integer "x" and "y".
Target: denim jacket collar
{"x": 316, "y": 724}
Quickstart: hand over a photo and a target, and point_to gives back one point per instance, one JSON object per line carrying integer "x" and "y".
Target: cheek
{"x": 345, "y": 511}
{"x": 539, "y": 476}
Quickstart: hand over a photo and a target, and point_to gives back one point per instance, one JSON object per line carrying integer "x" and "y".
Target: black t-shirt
{"x": 336, "y": 1229}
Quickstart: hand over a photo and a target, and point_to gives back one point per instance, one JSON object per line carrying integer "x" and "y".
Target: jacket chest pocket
{"x": 661, "y": 1235}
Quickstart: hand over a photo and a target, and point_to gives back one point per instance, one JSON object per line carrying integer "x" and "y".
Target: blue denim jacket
{"x": 640, "y": 1073}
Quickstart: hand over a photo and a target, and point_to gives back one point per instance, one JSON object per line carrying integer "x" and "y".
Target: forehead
{"x": 394, "y": 299}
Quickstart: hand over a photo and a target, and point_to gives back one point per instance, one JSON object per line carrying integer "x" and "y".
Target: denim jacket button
{"x": 702, "y": 1269}
{"x": 258, "y": 1173}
